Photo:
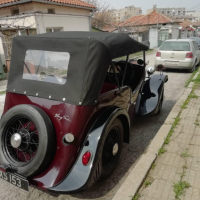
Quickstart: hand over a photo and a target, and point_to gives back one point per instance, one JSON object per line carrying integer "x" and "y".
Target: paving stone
{"x": 191, "y": 177}
{"x": 195, "y": 140}
{"x": 166, "y": 190}
{"x": 152, "y": 189}
{"x": 172, "y": 174}
{"x": 159, "y": 190}
{"x": 197, "y": 180}
{"x": 195, "y": 194}
{"x": 188, "y": 194}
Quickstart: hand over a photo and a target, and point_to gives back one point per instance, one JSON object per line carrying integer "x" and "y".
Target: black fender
{"x": 150, "y": 95}
{"x": 82, "y": 177}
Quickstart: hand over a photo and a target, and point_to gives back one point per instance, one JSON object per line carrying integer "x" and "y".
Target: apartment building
{"x": 195, "y": 14}
{"x": 169, "y": 11}
{"x": 125, "y": 13}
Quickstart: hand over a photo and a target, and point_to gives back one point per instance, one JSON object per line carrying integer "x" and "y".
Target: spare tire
{"x": 27, "y": 139}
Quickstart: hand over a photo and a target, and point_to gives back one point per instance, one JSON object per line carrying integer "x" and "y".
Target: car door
{"x": 197, "y": 51}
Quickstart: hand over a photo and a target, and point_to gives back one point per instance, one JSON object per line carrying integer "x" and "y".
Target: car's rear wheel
{"x": 27, "y": 139}
{"x": 193, "y": 68}
{"x": 111, "y": 148}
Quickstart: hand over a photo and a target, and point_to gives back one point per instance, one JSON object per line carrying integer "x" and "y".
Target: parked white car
{"x": 178, "y": 54}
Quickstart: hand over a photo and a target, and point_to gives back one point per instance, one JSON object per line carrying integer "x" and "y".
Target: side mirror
{"x": 140, "y": 62}
{"x": 160, "y": 67}
{"x": 150, "y": 70}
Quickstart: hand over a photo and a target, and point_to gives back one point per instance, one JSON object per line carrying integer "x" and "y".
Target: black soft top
{"x": 90, "y": 56}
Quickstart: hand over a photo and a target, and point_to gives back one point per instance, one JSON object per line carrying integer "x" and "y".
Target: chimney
{"x": 154, "y": 7}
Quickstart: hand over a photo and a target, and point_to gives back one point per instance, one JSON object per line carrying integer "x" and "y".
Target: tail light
{"x": 86, "y": 158}
{"x": 189, "y": 55}
{"x": 158, "y": 54}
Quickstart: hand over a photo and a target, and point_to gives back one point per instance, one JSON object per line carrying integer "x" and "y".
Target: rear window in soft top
{"x": 175, "y": 46}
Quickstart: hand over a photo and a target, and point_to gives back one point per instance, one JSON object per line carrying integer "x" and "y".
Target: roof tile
{"x": 150, "y": 19}
{"x": 69, "y": 2}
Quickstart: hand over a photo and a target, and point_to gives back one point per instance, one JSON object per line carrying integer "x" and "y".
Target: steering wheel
{"x": 128, "y": 80}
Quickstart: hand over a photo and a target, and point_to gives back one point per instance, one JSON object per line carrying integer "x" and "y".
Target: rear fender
{"x": 82, "y": 177}
{"x": 150, "y": 95}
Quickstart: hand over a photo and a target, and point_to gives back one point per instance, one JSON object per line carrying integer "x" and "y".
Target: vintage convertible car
{"x": 67, "y": 106}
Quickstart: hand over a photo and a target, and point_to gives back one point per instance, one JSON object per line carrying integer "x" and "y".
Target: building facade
{"x": 125, "y": 13}
{"x": 169, "y": 11}
{"x": 151, "y": 29}
{"x": 195, "y": 15}
{"x": 32, "y": 17}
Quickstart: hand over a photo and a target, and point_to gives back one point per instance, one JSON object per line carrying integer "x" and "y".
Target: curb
{"x": 135, "y": 179}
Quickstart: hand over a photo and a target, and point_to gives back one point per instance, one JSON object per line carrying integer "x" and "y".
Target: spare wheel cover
{"x": 27, "y": 139}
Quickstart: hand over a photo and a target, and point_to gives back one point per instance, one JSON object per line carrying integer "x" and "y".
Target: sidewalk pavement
{"x": 176, "y": 171}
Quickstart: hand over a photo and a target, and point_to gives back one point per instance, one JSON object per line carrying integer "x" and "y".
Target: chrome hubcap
{"x": 16, "y": 140}
{"x": 115, "y": 149}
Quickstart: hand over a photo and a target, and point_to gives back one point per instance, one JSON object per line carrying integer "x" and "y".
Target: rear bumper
{"x": 185, "y": 64}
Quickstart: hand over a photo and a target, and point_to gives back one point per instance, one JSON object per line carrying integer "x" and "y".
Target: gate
{"x": 162, "y": 36}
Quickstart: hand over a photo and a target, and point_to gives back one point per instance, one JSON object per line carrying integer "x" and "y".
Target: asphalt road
{"x": 143, "y": 131}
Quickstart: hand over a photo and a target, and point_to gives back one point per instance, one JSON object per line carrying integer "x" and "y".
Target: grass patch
{"x": 184, "y": 166}
{"x": 167, "y": 140}
{"x": 196, "y": 123}
{"x": 184, "y": 106}
{"x": 190, "y": 79}
{"x": 179, "y": 188}
{"x": 136, "y": 197}
{"x": 147, "y": 183}
{"x": 153, "y": 166}
{"x": 185, "y": 154}
{"x": 3, "y": 92}
{"x": 176, "y": 122}
{"x": 197, "y": 80}
{"x": 162, "y": 150}
{"x": 193, "y": 96}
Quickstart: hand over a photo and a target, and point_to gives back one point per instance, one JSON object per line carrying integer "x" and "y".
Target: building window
{"x": 51, "y": 10}
{"x": 51, "y": 30}
{"x": 15, "y": 11}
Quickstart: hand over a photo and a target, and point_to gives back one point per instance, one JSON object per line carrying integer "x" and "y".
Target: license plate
{"x": 15, "y": 180}
{"x": 171, "y": 63}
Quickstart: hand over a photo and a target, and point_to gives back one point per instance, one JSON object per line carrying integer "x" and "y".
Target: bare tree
{"x": 103, "y": 16}
{"x": 125, "y": 17}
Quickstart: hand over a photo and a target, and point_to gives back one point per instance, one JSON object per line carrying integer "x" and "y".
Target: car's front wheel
{"x": 27, "y": 139}
{"x": 160, "y": 103}
{"x": 111, "y": 148}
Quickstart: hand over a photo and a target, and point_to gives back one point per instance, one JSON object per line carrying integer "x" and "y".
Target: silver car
{"x": 178, "y": 54}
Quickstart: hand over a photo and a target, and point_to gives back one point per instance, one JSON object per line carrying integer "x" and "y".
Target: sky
{"x": 148, "y": 4}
